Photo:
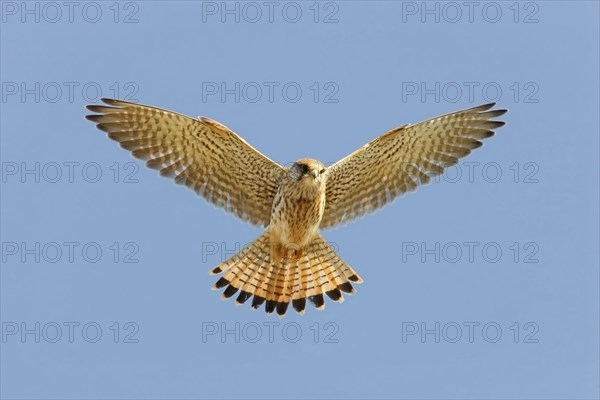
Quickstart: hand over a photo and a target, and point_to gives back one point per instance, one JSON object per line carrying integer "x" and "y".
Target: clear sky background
{"x": 482, "y": 285}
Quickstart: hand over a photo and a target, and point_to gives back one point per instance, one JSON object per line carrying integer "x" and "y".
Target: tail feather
{"x": 298, "y": 291}
{"x": 249, "y": 286}
{"x": 312, "y": 283}
{"x": 295, "y": 286}
{"x": 317, "y": 272}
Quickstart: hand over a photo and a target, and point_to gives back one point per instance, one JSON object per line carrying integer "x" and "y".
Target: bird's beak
{"x": 314, "y": 173}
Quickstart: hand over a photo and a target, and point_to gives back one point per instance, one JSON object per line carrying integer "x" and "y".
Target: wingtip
{"x": 109, "y": 101}
{"x": 95, "y": 118}
{"x": 484, "y": 107}
{"x": 489, "y": 106}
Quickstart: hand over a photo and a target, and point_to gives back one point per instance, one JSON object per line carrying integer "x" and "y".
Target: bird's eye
{"x": 303, "y": 168}
{"x": 322, "y": 171}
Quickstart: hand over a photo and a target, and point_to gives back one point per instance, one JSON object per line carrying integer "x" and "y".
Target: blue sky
{"x": 481, "y": 285}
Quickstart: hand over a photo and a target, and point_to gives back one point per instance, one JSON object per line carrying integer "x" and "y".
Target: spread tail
{"x": 318, "y": 271}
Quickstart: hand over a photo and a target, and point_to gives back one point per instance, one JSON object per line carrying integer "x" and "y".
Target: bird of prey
{"x": 290, "y": 261}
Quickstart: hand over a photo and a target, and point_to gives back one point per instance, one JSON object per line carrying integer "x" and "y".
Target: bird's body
{"x": 297, "y": 209}
{"x": 290, "y": 261}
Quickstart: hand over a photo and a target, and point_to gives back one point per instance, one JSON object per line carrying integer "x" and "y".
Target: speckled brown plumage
{"x": 290, "y": 261}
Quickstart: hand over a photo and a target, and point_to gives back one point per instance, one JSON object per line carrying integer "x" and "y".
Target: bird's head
{"x": 307, "y": 169}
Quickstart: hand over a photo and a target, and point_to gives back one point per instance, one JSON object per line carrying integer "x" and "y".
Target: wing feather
{"x": 200, "y": 153}
{"x": 401, "y": 159}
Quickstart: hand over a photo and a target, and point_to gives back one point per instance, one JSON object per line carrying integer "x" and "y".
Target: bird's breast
{"x": 296, "y": 215}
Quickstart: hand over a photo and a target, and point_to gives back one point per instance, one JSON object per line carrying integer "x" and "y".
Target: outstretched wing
{"x": 401, "y": 159}
{"x": 199, "y": 153}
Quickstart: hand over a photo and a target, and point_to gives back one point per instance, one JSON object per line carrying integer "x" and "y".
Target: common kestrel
{"x": 290, "y": 261}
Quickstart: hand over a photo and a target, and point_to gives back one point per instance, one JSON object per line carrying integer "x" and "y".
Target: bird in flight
{"x": 290, "y": 261}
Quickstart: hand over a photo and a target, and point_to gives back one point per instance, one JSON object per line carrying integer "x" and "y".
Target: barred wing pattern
{"x": 199, "y": 153}
{"x": 400, "y": 160}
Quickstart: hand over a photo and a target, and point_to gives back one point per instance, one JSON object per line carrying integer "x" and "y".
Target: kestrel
{"x": 290, "y": 261}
